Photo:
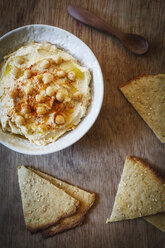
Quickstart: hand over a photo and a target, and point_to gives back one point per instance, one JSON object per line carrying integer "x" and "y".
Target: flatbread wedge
{"x": 141, "y": 192}
{"x": 85, "y": 198}
{"x": 157, "y": 220}
{"x": 44, "y": 204}
{"x": 147, "y": 96}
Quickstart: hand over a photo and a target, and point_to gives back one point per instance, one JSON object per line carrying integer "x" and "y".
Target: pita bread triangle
{"x": 85, "y": 198}
{"x": 140, "y": 192}
{"x": 44, "y": 204}
{"x": 146, "y": 94}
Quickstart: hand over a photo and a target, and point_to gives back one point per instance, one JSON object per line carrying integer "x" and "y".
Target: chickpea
{"x": 50, "y": 91}
{"x": 71, "y": 75}
{"x": 16, "y": 71}
{"x": 45, "y": 64}
{"x": 47, "y": 78}
{"x": 58, "y": 60}
{"x": 41, "y": 110}
{"x": 61, "y": 74}
{"x": 28, "y": 74}
{"x": 40, "y": 98}
{"x": 14, "y": 93}
{"x": 19, "y": 60}
{"x": 25, "y": 109}
{"x": 28, "y": 90}
{"x": 19, "y": 120}
{"x": 60, "y": 96}
{"x": 59, "y": 119}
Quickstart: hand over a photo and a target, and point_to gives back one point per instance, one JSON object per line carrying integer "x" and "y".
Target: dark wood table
{"x": 96, "y": 161}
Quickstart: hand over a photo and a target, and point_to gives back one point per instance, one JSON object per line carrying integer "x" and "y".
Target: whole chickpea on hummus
{"x": 44, "y": 92}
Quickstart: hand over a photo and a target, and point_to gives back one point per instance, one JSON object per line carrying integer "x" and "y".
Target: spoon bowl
{"x": 135, "y": 43}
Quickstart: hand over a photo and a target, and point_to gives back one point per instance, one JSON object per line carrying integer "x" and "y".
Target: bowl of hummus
{"x": 51, "y": 89}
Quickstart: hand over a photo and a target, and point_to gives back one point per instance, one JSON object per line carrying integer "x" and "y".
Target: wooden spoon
{"x": 135, "y": 43}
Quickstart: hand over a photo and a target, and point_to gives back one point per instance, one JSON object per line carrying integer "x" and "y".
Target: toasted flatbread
{"x": 157, "y": 220}
{"x": 146, "y": 94}
{"x": 44, "y": 204}
{"x": 85, "y": 198}
{"x": 140, "y": 192}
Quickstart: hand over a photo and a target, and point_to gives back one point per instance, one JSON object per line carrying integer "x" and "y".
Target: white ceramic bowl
{"x": 79, "y": 50}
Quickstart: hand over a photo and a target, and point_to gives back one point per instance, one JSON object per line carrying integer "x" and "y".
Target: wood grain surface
{"x": 96, "y": 161}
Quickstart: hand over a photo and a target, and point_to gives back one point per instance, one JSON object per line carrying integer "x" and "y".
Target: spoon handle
{"x": 92, "y": 20}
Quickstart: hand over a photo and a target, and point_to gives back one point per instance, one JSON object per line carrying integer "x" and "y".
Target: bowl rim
{"x": 101, "y": 94}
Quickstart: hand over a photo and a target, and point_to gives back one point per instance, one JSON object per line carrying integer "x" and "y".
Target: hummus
{"x": 44, "y": 92}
